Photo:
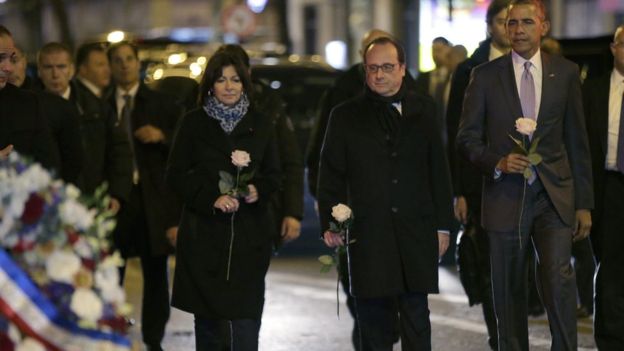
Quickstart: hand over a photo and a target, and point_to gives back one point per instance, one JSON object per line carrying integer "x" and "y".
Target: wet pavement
{"x": 300, "y": 314}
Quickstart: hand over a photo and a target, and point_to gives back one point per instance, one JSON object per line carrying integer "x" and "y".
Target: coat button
{"x": 395, "y": 209}
{"x": 393, "y": 154}
{"x": 395, "y": 181}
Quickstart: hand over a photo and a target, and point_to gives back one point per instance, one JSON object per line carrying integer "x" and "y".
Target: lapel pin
{"x": 551, "y": 75}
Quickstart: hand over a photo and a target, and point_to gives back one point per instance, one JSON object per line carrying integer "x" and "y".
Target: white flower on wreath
{"x": 86, "y": 305}
{"x": 62, "y": 266}
{"x": 341, "y": 212}
{"x": 75, "y": 214}
{"x": 29, "y": 344}
{"x": 107, "y": 281}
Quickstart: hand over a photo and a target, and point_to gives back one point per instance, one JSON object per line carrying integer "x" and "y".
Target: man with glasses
{"x": 603, "y": 104}
{"x": 383, "y": 157}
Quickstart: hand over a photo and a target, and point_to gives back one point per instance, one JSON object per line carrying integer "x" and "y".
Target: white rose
{"x": 75, "y": 214}
{"x": 61, "y": 266}
{"x": 30, "y": 344}
{"x": 341, "y": 212}
{"x": 72, "y": 191}
{"x": 115, "y": 295}
{"x": 86, "y": 305}
{"x": 526, "y": 126}
{"x": 240, "y": 158}
{"x": 107, "y": 277}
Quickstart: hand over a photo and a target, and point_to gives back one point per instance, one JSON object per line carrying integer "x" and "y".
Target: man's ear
{"x": 545, "y": 28}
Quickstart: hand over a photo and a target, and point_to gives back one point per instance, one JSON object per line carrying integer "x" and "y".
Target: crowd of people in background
{"x": 220, "y": 181}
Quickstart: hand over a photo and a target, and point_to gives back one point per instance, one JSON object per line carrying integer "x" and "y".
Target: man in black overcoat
{"x": 147, "y": 223}
{"x": 602, "y": 100}
{"x": 383, "y": 157}
{"x": 23, "y": 126}
{"x": 466, "y": 178}
{"x": 107, "y": 149}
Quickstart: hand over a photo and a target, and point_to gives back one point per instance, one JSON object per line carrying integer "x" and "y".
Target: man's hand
{"x": 253, "y": 194}
{"x": 227, "y": 204}
{"x": 583, "y": 225}
{"x": 443, "y": 243}
{"x": 332, "y": 239}
{"x": 4, "y": 153}
{"x": 513, "y": 163}
{"x": 461, "y": 209}
{"x": 148, "y": 134}
{"x": 172, "y": 235}
{"x": 114, "y": 205}
{"x": 291, "y": 228}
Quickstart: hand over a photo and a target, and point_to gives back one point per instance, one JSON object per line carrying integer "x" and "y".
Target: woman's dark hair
{"x": 214, "y": 70}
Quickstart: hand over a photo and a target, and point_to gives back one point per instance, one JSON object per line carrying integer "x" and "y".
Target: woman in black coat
{"x": 224, "y": 241}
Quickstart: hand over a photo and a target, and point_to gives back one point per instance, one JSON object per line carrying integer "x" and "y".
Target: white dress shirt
{"x": 536, "y": 71}
{"x": 616, "y": 89}
{"x": 119, "y": 97}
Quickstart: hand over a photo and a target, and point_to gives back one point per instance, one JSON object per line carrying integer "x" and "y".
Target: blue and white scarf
{"x": 228, "y": 116}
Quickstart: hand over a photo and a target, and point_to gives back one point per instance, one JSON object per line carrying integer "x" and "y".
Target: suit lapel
{"x": 548, "y": 82}
{"x": 507, "y": 81}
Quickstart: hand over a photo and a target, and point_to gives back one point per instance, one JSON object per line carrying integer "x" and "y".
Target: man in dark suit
{"x": 604, "y": 113}
{"x": 23, "y": 126}
{"x": 147, "y": 224}
{"x": 383, "y": 157}
{"x": 55, "y": 68}
{"x": 466, "y": 178}
{"x": 107, "y": 150}
{"x": 551, "y": 207}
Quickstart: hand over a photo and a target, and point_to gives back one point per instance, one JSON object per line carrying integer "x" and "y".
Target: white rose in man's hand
{"x": 240, "y": 158}
{"x": 341, "y": 212}
{"x": 526, "y": 126}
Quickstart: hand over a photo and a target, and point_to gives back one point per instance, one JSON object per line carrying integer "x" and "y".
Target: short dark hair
{"x": 4, "y": 31}
{"x": 54, "y": 47}
{"x": 235, "y": 50}
{"x": 387, "y": 40}
{"x": 441, "y": 40}
{"x": 539, "y": 5}
{"x": 496, "y": 6}
{"x": 82, "y": 55}
{"x": 214, "y": 70}
{"x": 116, "y": 46}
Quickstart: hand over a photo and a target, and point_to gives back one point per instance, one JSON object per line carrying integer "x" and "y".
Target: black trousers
{"x": 585, "y": 267}
{"x": 543, "y": 231}
{"x": 224, "y": 335}
{"x": 132, "y": 226}
{"x": 609, "y": 304}
{"x": 376, "y": 320}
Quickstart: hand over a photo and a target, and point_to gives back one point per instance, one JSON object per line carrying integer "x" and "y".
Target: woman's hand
{"x": 253, "y": 194}
{"x": 227, "y": 204}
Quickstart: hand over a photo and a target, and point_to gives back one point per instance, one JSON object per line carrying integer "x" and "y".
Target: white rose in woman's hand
{"x": 240, "y": 158}
{"x": 341, "y": 212}
{"x": 526, "y": 126}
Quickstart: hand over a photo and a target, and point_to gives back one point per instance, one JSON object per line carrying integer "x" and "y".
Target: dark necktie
{"x": 126, "y": 120}
{"x": 620, "y": 143}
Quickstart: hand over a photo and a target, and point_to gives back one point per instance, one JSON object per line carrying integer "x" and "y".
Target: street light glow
{"x": 115, "y": 36}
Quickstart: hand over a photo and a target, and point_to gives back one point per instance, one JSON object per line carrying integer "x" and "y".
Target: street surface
{"x": 300, "y": 314}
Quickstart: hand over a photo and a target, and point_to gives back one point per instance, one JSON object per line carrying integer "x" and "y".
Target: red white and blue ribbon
{"x": 22, "y": 303}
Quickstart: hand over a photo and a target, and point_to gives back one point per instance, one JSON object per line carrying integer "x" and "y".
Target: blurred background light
{"x": 115, "y": 36}
{"x": 256, "y": 6}
{"x": 336, "y": 54}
